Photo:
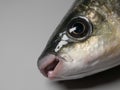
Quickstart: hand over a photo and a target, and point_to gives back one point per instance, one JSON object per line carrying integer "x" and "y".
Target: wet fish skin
{"x": 99, "y": 52}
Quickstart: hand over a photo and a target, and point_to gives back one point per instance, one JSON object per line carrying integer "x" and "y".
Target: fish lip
{"x": 48, "y": 60}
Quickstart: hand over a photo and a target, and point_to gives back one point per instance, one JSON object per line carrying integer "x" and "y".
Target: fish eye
{"x": 79, "y": 28}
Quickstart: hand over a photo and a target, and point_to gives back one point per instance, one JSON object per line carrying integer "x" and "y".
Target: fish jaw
{"x": 61, "y": 70}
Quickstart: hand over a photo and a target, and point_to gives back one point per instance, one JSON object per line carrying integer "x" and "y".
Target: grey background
{"x": 25, "y": 27}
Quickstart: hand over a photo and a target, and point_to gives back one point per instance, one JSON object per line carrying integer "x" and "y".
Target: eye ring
{"x": 79, "y": 28}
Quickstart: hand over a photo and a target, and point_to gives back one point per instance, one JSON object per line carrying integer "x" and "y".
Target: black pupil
{"x": 78, "y": 28}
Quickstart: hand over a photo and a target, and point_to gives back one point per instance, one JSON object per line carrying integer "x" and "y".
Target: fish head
{"x": 86, "y": 41}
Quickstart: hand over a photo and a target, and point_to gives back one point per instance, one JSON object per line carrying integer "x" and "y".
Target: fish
{"x": 86, "y": 42}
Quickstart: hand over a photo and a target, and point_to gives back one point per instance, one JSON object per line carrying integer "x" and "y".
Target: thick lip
{"x": 50, "y": 66}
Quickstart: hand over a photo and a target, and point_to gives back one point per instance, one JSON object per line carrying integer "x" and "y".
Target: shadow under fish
{"x": 102, "y": 78}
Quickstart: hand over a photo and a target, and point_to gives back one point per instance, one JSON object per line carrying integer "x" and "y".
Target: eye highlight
{"x": 79, "y": 28}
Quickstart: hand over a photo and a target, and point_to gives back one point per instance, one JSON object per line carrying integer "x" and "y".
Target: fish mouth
{"x": 50, "y": 66}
